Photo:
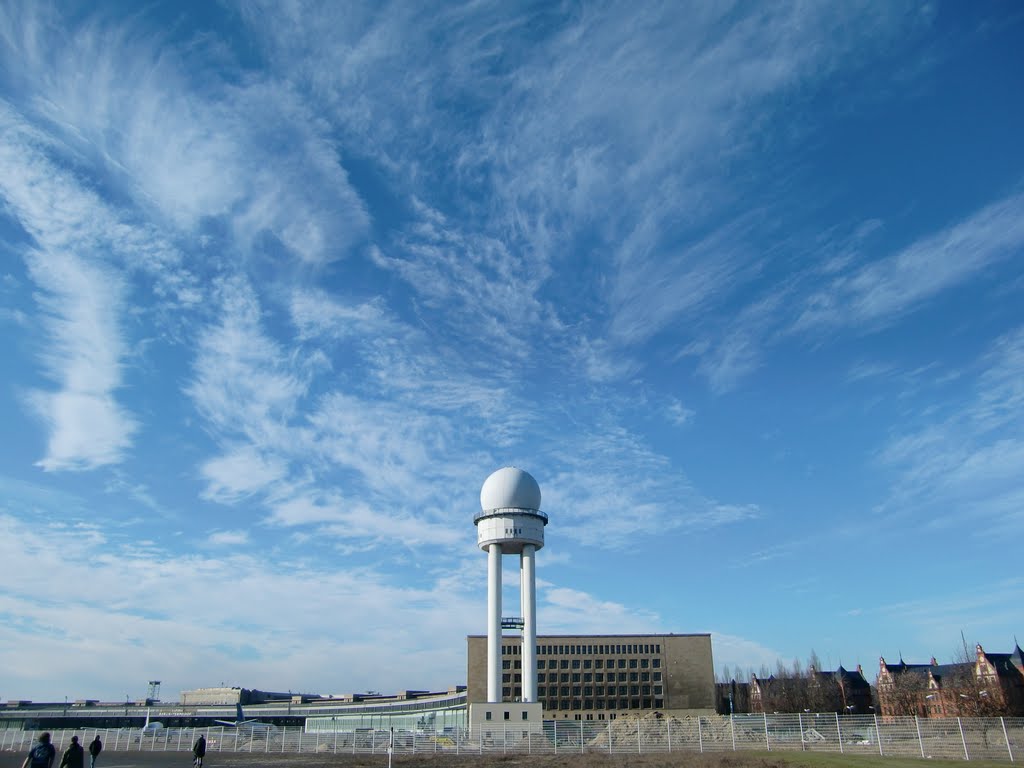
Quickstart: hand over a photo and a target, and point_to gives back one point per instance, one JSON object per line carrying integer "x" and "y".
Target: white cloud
{"x": 315, "y": 314}
{"x": 564, "y": 610}
{"x": 979, "y": 610}
{"x": 184, "y": 149}
{"x": 964, "y": 461}
{"x": 81, "y": 303}
{"x": 741, "y": 653}
{"x": 195, "y": 617}
{"x": 621, "y": 490}
{"x": 241, "y": 471}
{"x": 679, "y": 414}
{"x": 243, "y": 382}
{"x": 226, "y": 539}
{"x": 879, "y": 292}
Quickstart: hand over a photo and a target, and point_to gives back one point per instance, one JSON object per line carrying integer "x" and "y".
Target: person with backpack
{"x": 42, "y": 753}
{"x": 95, "y": 747}
{"x": 199, "y": 751}
{"x": 74, "y": 755}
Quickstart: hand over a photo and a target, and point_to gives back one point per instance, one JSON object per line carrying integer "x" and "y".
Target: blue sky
{"x": 282, "y": 283}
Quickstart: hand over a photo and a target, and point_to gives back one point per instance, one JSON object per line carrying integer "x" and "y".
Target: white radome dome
{"x": 510, "y": 487}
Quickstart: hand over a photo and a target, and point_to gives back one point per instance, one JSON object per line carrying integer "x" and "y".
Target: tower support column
{"x": 528, "y": 596}
{"x": 494, "y": 623}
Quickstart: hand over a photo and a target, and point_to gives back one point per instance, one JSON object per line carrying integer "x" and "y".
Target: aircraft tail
{"x": 238, "y": 713}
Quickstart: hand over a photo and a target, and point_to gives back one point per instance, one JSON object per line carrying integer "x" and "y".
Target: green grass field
{"x": 833, "y": 760}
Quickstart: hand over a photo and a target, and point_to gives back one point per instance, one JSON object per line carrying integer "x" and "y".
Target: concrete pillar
{"x": 494, "y": 624}
{"x": 528, "y": 587}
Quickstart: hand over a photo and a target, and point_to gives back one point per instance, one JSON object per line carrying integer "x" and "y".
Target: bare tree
{"x": 966, "y": 693}
{"x": 904, "y": 694}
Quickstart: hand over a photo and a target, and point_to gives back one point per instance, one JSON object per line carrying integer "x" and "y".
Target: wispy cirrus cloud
{"x": 80, "y": 305}
{"x": 878, "y": 293}
{"x": 184, "y": 149}
{"x": 240, "y": 471}
{"x": 959, "y": 608}
{"x": 964, "y": 461}
{"x": 857, "y": 294}
{"x": 244, "y": 383}
{"x": 589, "y": 485}
{"x": 226, "y": 539}
{"x": 617, "y": 138}
{"x": 80, "y": 300}
{"x": 564, "y": 610}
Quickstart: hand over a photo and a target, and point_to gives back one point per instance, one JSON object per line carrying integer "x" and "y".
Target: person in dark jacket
{"x": 42, "y": 753}
{"x": 199, "y": 751}
{"x": 74, "y": 755}
{"x": 95, "y": 747}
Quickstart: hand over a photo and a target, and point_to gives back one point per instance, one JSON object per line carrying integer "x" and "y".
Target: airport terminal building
{"x": 603, "y": 677}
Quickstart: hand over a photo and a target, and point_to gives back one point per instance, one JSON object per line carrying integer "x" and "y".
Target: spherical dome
{"x": 510, "y": 487}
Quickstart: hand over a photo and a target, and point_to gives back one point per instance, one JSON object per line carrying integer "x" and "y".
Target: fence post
{"x": 839, "y": 734}
{"x": 554, "y": 733}
{"x": 800, "y": 722}
{"x": 960, "y": 723}
{"x": 581, "y": 737}
{"x": 700, "y": 735}
{"x": 609, "y": 737}
{"x": 668, "y": 728}
{"x": 767, "y": 743}
{"x": 732, "y": 727}
{"x": 638, "y": 747}
{"x": 920, "y": 741}
{"x": 878, "y": 735}
{"x": 1009, "y": 749}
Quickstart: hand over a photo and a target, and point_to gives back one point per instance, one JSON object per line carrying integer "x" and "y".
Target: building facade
{"x": 990, "y": 685}
{"x": 602, "y": 677}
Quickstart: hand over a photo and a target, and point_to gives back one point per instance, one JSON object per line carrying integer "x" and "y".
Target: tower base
{"x": 509, "y": 720}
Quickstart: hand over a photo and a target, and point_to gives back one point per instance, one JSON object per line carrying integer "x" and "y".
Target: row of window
{"x": 623, "y": 690}
{"x": 585, "y": 664}
{"x": 586, "y": 677}
{"x": 581, "y": 704}
{"x": 488, "y": 715}
{"x": 586, "y": 650}
{"x": 573, "y": 697}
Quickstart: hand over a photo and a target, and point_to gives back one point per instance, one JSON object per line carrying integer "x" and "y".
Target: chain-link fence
{"x": 957, "y": 738}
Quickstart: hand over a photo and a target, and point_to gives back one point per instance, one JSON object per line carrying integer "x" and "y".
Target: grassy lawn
{"x": 832, "y": 760}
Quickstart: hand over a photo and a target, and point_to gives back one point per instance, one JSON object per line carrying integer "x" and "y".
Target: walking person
{"x": 74, "y": 755}
{"x": 42, "y": 753}
{"x": 199, "y": 751}
{"x": 95, "y": 747}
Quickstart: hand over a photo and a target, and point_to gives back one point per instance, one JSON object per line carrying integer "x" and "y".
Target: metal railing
{"x": 951, "y": 738}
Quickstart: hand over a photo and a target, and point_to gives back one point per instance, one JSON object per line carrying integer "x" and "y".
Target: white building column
{"x": 494, "y": 623}
{"x": 528, "y": 596}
